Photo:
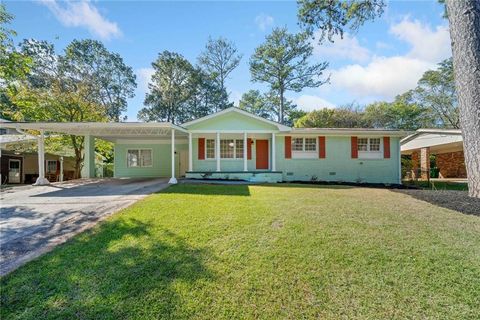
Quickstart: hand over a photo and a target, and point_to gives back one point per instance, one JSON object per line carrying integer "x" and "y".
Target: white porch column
{"x": 245, "y": 144}
{"x": 41, "y": 180}
{"x": 190, "y": 156}
{"x": 274, "y": 168}
{"x": 88, "y": 170}
{"x": 61, "y": 169}
{"x": 173, "y": 180}
{"x": 217, "y": 150}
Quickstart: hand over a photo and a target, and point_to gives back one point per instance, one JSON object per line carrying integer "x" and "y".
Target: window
{"x": 362, "y": 144}
{"x": 139, "y": 158}
{"x": 239, "y": 149}
{"x": 227, "y": 148}
{"x": 368, "y": 144}
{"x": 210, "y": 146}
{"x": 374, "y": 144}
{"x": 310, "y": 144}
{"x": 51, "y": 166}
{"x": 297, "y": 144}
{"x": 3, "y": 131}
{"x": 304, "y": 144}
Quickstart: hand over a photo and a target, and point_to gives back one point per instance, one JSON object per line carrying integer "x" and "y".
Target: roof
{"x": 15, "y": 138}
{"x": 438, "y": 140}
{"x": 280, "y": 126}
{"x": 101, "y": 129}
{"x": 351, "y": 131}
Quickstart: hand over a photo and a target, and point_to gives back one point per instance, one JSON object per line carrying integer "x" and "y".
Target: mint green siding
{"x": 338, "y": 164}
{"x": 232, "y": 121}
{"x": 161, "y": 158}
{"x": 225, "y": 164}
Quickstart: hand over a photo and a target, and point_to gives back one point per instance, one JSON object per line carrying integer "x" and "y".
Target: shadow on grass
{"x": 209, "y": 189}
{"x": 122, "y": 269}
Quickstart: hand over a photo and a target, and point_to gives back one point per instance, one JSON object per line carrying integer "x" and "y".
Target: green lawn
{"x": 268, "y": 252}
{"x": 438, "y": 185}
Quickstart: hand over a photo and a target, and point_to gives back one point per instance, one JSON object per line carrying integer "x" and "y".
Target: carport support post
{"x": 41, "y": 180}
{"x": 173, "y": 180}
{"x": 88, "y": 170}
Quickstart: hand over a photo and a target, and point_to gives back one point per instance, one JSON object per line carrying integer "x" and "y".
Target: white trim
{"x": 280, "y": 127}
{"x": 173, "y": 180}
{"x": 245, "y": 151}
{"x": 399, "y": 163}
{"x": 344, "y": 132}
{"x": 217, "y": 150}
{"x": 274, "y": 166}
{"x": 147, "y": 141}
{"x": 232, "y": 131}
{"x": 139, "y": 149}
{"x": 190, "y": 155}
{"x": 366, "y": 155}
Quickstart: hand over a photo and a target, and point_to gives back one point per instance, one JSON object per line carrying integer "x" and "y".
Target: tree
{"x": 464, "y": 19}
{"x": 436, "y": 91}
{"x": 169, "y": 89}
{"x": 282, "y": 62}
{"x": 401, "y": 114}
{"x": 333, "y": 16}
{"x": 255, "y": 102}
{"x": 111, "y": 81}
{"x": 348, "y": 116}
{"x": 57, "y": 104}
{"x": 218, "y": 60}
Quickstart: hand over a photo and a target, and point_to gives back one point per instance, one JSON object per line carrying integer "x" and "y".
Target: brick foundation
{"x": 451, "y": 165}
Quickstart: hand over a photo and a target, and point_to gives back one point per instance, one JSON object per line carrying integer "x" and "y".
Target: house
{"x": 446, "y": 147}
{"x": 234, "y": 144}
{"x": 19, "y": 164}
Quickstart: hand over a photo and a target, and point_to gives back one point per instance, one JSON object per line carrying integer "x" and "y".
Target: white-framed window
{"x": 369, "y": 144}
{"x": 370, "y": 148}
{"x": 304, "y": 144}
{"x": 239, "y": 149}
{"x": 304, "y": 147}
{"x": 139, "y": 158}
{"x": 51, "y": 166}
{"x": 229, "y": 148}
{"x": 210, "y": 148}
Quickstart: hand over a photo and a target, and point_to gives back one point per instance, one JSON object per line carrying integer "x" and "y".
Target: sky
{"x": 384, "y": 58}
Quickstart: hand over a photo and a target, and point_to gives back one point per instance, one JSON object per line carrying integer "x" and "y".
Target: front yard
{"x": 286, "y": 251}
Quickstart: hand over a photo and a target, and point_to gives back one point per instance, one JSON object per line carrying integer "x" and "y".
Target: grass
{"x": 439, "y": 185}
{"x": 267, "y": 252}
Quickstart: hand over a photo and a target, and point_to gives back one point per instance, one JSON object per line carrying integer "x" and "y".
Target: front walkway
{"x": 33, "y": 220}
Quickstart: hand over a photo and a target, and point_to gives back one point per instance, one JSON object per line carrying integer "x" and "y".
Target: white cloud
{"x": 264, "y": 21}
{"x": 83, "y": 14}
{"x": 346, "y": 48}
{"x": 384, "y": 76}
{"x": 309, "y": 103}
{"x": 387, "y": 77}
{"x": 426, "y": 44}
{"x": 144, "y": 76}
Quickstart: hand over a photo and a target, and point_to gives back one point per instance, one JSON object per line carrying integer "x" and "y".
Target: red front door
{"x": 262, "y": 154}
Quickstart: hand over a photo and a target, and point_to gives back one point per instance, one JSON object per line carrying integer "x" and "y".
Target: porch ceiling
{"x": 107, "y": 131}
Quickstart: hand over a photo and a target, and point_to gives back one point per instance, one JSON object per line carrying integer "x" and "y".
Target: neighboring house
{"x": 234, "y": 144}
{"x": 19, "y": 165}
{"x": 445, "y": 144}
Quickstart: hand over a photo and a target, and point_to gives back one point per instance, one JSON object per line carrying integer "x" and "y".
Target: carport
{"x": 154, "y": 132}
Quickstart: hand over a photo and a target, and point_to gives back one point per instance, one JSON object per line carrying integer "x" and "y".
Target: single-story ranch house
{"x": 234, "y": 144}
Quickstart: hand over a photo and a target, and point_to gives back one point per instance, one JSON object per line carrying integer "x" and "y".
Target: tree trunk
{"x": 280, "y": 116}
{"x": 464, "y": 18}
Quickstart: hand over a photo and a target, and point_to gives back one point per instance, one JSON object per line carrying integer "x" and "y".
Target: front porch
{"x": 250, "y": 176}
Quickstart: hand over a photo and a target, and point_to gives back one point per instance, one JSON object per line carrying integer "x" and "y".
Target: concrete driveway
{"x": 33, "y": 220}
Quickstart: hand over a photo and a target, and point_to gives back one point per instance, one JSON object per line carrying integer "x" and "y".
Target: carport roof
{"x": 100, "y": 129}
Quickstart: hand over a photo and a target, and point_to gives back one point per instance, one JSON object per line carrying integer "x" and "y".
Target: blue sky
{"x": 386, "y": 57}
